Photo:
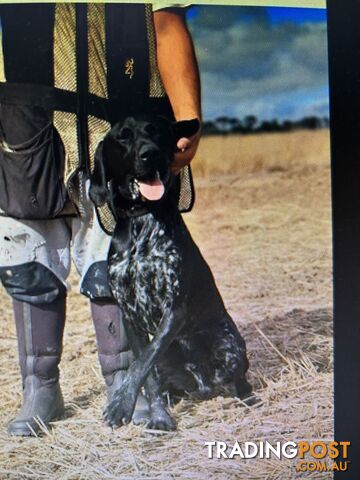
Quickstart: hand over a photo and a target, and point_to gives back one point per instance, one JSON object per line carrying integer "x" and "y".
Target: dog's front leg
{"x": 121, "y": 408}
{"x": 160, "y": 418}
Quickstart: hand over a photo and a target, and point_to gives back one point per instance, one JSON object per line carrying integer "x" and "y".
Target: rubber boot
{"x": 39, "y": 331}
{"x": 114, "y": 355}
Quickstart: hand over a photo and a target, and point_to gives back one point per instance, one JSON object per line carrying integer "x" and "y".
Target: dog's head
{"x": 133, "y": 161}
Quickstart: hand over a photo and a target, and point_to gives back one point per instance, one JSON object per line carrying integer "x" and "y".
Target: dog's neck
{"x": 130, "y": 227}
{"x": 132, "y": 211}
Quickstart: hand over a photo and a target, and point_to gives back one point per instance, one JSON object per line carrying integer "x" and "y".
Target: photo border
{"x": 344, "y": 73}
{"x": 254, "y": 3}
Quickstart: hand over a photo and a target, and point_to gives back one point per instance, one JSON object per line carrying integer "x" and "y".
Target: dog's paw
{"x": 161, "y": 420}
{"x": 252, "y": 400}
{"x": 120, "y": 409}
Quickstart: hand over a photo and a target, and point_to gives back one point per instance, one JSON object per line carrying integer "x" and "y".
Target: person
{"x": 68, "y": 72}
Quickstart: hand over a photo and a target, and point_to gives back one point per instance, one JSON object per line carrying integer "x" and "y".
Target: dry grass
{"x": 262, "y": 220}
{"x": 221, "y": 155}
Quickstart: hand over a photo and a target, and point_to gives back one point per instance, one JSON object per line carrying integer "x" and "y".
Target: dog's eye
{"x": 125, "y": 134}
{"x": 150, "y": 129}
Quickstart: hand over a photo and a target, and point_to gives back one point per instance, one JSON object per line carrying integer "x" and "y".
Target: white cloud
{"x": 253, "y": 67}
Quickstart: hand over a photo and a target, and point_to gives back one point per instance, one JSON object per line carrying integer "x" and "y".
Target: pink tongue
{"x": 152, "y": 190}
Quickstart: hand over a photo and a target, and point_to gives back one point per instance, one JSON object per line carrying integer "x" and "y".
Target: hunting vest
{"x": 86, "y": 66}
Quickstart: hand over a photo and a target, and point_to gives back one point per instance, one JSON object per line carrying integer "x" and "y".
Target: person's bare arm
{"x": 180, "y": 76}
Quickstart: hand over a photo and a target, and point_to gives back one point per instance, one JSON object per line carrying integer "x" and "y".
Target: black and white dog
{"x": 159, "y": 278}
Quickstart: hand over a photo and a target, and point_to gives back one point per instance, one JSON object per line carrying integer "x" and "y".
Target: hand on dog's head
{"x": 135, "y": 158}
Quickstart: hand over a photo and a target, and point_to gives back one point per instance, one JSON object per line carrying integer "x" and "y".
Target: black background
{"x": 344, "y": 71}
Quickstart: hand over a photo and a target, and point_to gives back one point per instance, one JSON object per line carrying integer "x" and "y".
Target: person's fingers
{"x": 183, "y": 143}
{"x": 181, "y": 159}
{"x": 187, "y": 148}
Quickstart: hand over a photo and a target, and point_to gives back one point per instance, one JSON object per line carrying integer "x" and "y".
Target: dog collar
{"x": 134, "y": 211}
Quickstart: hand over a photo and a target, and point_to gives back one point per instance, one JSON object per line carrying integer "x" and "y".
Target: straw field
{"x": 262, "y": 220}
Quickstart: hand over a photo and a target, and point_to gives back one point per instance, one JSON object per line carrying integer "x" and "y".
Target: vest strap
{"x": 82, "y": 83}
{"x": 40, "y": 95}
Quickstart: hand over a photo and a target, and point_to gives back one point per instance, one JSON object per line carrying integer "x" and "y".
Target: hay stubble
{"x": 262, "y": 220}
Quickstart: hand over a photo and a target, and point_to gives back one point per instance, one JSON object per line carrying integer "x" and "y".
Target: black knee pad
{"x": 110, "y": 364}
{"x": 95, "y": 284}
{"x": 46, "y": 366}
{"x": 32, "y": 282}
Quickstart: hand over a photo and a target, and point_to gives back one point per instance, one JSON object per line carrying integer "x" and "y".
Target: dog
{"x": 159, "y": 278}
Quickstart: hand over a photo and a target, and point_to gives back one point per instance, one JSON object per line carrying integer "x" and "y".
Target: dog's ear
{"x": 98, "y": 190}
{"x": 185, "y": 128}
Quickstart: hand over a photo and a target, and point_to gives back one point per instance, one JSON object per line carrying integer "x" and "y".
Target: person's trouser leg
{"x": 34, "y": 263}
{"x": 39, "y": 331}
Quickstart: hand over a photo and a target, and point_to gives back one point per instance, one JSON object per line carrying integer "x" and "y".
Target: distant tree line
{"x": 251, "y": 124}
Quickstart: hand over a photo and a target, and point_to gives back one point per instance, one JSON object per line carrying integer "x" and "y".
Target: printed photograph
{"x": 125, "y": 352}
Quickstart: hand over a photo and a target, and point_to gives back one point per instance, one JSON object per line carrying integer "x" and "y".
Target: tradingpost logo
{"x": 319, "y": 456}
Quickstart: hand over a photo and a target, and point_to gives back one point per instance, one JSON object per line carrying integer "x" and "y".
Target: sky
{"x": 270, "y": 62}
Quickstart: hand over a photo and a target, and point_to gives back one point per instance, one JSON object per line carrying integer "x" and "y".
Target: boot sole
{"x": 20, "y": 428}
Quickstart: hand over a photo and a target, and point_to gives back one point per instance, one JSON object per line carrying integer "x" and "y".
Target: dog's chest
{"x": 145, "y": 277}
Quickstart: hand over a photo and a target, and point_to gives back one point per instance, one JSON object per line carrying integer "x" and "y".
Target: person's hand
{"x": 187, "y": 149}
